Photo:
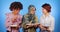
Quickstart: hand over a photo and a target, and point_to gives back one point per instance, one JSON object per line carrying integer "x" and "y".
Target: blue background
{"x": 55, "y": 11}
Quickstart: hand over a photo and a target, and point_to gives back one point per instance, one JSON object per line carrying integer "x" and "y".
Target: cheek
{"x": 34, "y": 11}
{"x": 16, "y": 11}
{"x": 44, "y": 11}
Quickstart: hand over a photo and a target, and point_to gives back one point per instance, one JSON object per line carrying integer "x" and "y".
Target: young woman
{"x": 13, "y": 19}
{"x": 46, "y": 20}
{"x": 30, "y": 18}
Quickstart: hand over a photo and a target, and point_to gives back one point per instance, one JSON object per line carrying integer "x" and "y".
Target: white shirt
{"x": 47, "y": 21}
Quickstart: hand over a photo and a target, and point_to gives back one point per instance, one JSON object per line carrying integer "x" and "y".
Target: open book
{"x": 32, "y": 24}
{"x": 13, "y": 25}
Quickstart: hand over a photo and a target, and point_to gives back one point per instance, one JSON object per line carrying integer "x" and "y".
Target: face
{"x": 32, "y": 10}
{"x": 16, "y": 11}
{"x": 44, "y": 11}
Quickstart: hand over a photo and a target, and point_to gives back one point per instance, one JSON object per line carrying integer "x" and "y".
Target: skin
{"x": 32, "y": 10}
{"x": 16, "y": 11}
{"x": 44, "y": 11}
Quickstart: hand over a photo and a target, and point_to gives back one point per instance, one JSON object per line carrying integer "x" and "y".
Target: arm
{"x": 51, "y": 28}
{"x": 41, "y": 24}
{"x": 7, "y": 23}
{"x": 19, "y": 21}
{"x": 36, "y": 21}
{"x": 23, "y": 21}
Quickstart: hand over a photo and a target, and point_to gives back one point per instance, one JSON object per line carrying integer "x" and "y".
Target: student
{"x": 14, "y": 19}
{"x": 30, "y": 18}
{"x": 46, "y": 20}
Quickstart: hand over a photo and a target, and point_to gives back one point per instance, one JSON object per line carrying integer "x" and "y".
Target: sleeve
{"x": 23, "y": 19}
{"x": 36, "y": 19}
{"x": 52, "y": 24}
{"x": 41, "y": 20}
{"x": 7, "y": 23}
{"x": 23, "y": 22}
{"x": 20, "y": 21}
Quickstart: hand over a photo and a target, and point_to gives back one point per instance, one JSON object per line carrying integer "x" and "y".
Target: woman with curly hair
{"x": 13, "y": 19}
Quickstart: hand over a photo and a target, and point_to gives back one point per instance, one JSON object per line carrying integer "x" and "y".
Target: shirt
{"x": 27, "y": 19}
{"x": 47, "y": 21}
{"x": 9, "y": 17}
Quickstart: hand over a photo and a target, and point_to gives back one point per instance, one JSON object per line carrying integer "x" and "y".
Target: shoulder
{"x": 51, "y": 17}
{"x": 26, "y": 15}
{"x": 20, "y": 15}
{"x": 8, "y": 14}
{"x": 36, "y": 16}
{"x": 41, "y": 16}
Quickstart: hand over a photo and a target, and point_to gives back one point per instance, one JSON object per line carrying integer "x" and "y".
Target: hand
{"x": 48, "y": 29}
{"x": 40, "y": 26}
{"x": 14, "y": 19}
{"x": 17, "y": 27}
{"x": 29, "y": 25}
{"x": 43, "y": 28}
{"x": 35, "y": 25}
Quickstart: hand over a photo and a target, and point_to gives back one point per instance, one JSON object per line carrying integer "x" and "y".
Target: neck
{"x": 14, "y": 13}
{"x": 47, "y": 14}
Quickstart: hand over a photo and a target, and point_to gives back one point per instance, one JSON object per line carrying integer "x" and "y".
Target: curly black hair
{"x": 16, "y": 5}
